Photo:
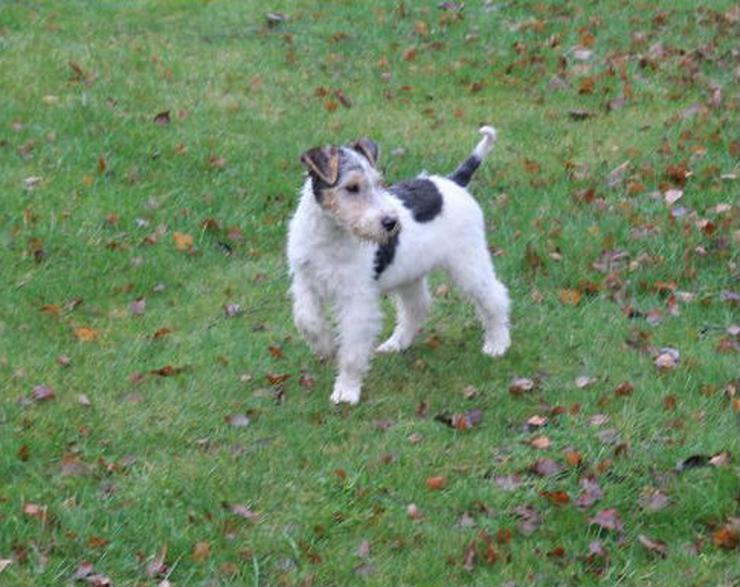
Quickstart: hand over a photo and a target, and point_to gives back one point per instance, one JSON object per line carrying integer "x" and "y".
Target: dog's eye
{"x": 353, "y": 188}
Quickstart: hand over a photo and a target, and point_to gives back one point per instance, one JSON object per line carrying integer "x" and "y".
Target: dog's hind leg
{"x": 412, "y": 303}
{"x": 475, "y": 276}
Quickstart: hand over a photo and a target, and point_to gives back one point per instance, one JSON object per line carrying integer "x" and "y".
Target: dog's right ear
{"x": 367, "y": 148}
{"x": 322, "y": 162}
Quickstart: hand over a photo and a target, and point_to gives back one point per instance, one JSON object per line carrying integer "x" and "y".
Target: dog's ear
{"x": 323, "y": 162}
{"x": 367, "y": 148}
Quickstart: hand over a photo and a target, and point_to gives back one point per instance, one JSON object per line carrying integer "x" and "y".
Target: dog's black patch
{"x": 463, "y": 174}
{"x": 420, "y": 196}
{"x": 384, "y": 255}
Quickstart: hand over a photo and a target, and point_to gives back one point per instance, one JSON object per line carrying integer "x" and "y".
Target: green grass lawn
{"x": 192, "y": 443}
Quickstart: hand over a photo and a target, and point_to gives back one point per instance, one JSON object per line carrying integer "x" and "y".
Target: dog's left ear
{"x": 367, "y": 148}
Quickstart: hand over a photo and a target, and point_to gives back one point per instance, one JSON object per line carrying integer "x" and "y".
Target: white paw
{"x": 392, "y": 345}
{"x": 498, "y": 345}
{"x": 345, "y": 395}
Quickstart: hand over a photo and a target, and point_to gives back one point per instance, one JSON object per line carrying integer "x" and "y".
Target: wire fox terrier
{"x": 352, "y": 240}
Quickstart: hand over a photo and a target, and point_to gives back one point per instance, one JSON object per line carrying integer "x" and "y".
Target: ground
{"x": 163, "y": 423}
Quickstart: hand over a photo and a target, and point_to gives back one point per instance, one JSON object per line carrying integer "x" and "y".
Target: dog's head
{"x": 347, "y": 184}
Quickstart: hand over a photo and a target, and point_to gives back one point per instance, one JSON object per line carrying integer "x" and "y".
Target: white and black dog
{"x": 352, "y": 240}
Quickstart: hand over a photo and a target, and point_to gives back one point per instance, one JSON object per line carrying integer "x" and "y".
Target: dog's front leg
{"x": 310, "y": 317}
{"x": 360, "y": 322}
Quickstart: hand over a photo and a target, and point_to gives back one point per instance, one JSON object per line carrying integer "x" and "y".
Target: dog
{"x": 352, "y": 240}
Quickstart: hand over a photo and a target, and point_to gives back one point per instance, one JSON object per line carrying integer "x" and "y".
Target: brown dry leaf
{"x": 436, "y": 482}
{"x": 521, "y": 385}
{"x": 545, "y": 467}
{"x": 657, "y": 546}
{"x": 726, "y": 538}
{"x": 569, "y": 297}
{"x": 86, "y": 334}
{"x": 244, "y": 512}
{"x": 584, "y": 381}
{"x": 540, "y": 442}
{"x": 607, "y": 519}
{"x": 556, "y": 497}
{"x": 624, "y": 389}
{"x": 573, "y": 458}
{"x": 201, "y": 551}
{"x": 536, "y": 422}
{"x": 183, "y": 241}
{"x": 162, "y": 119}
{"x": 508, "y": 482}
{"x": 591, "y": 493}
{"x": 277, "y": 379}
{"x": 652, "y": 500}
{"x": 667, "y": 359}
{"x": 33, "y": 510}
{"x": 42, "y": 393}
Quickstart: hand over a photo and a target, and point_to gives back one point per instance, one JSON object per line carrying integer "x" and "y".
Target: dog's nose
{"x": 389, "y": 223}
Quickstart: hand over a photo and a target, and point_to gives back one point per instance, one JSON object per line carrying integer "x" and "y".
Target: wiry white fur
{"x": 486, "y": 144}
{"x": 332, "y": 268}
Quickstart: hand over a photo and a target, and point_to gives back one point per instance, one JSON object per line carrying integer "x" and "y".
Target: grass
{"x": 153, "y": 462}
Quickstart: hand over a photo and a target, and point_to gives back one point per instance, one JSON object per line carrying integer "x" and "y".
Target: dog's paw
{"x": 498, "y": 345}
{"x": 392, "y": 345}
{"x": 345, "y": 395}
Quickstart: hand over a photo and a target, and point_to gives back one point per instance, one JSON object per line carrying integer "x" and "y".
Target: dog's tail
{"x": 463, "y": 174}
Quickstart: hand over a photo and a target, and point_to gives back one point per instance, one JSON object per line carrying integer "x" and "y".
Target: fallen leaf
{"x": 607, "y": 519}
{"x": 672, "y": 196}
{"x": 162, "y": 119}
{"x": 584, "y": 381}
{"x": 529, "y": 519}
{"x": 726, "y": 538}
{"x": 579, "y": 114}
{"x": 656, "y": 546}
{"x": 536, "y": 422}
{"x": 5, "y": 563}
{"x": 521, "y": 385}
{"x": 624, "y": 389}
{"x": 238, "y": 420}
{"x": 556, "y": 497}
{"x": 436, "y": 483}
{"x": 616, "y": 175}
{"x": 33, "y": 510}
{"x": 84, "y": 570}
{"x": 667, "y": 359}
{"x": 653, "y": 500}
{"x": 201, "y": 551}
{"x": 244, "y": 512}
{"x": 183, "y": 241}
{"x": 569, "y": 297}
{"x": 157, "y": 567}
{"x": 545, "y": 467}
{"x": 540, "y": 442}
{"x": 460, "y": 421}
{"x": 85, "y": 334}
{"x": 363, "y": 549}
{"x": 591, "y": 493}
{"x": 598, "y": 420}
{"x": 413, "y": 512}
{"x": 42, "y": 393}
{"x": 138, "y": 306}
{"x": 507, "y": 482}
